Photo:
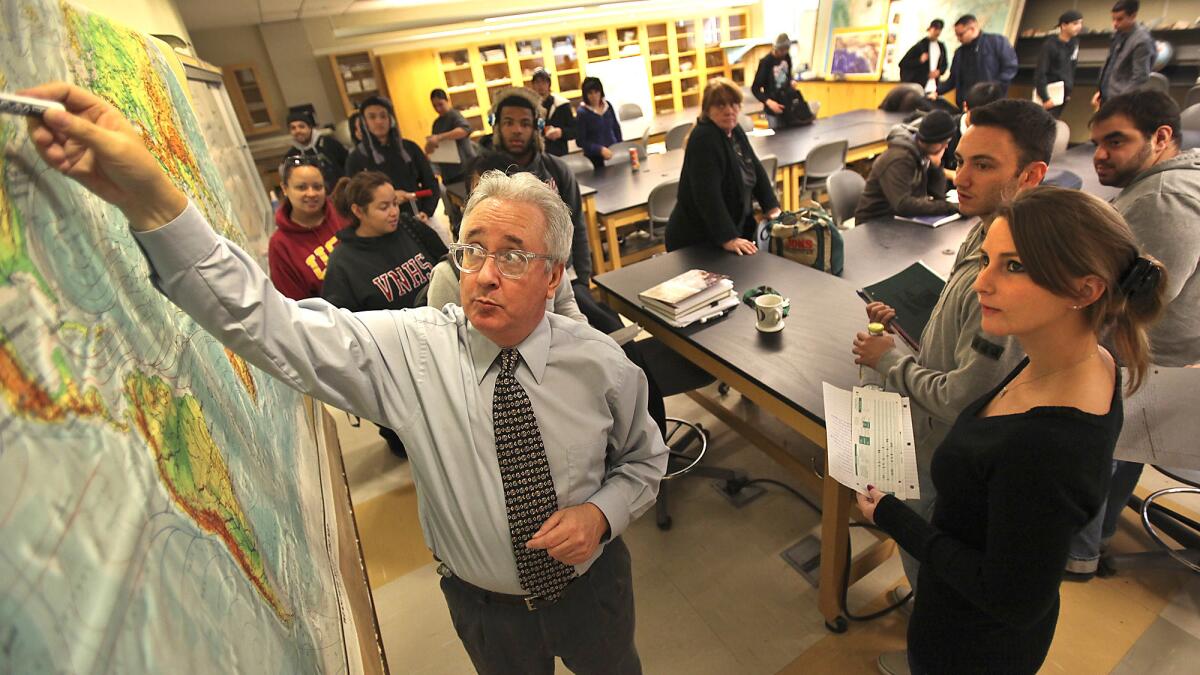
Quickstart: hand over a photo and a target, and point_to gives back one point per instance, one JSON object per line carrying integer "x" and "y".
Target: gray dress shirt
{"x": 429, "y": 375}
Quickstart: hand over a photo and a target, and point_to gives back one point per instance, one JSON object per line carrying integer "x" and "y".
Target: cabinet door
{"x": 250, "y": 100}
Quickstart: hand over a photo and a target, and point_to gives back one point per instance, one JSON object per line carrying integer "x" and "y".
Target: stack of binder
{"x": 693, "y": 296}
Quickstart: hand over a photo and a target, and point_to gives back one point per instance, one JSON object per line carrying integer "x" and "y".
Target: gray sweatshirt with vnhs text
{"x": 1162, "y": 207}
{"x": 957, "y": 363}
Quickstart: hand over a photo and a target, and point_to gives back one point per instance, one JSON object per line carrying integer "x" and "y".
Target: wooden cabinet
{"x": 358, "y": 77}
{"x": 681, "y": 55}
{"x": 249, "y": 99}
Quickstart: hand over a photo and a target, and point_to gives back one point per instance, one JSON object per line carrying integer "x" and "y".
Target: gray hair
{"x": 527, "y": 189}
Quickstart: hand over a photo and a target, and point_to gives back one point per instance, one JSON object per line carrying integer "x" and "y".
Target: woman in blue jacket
{"x": 596, "y": 126}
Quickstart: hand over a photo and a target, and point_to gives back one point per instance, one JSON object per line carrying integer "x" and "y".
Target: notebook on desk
{"x": 913, "y": 293}
{"x": 931, "y": 221}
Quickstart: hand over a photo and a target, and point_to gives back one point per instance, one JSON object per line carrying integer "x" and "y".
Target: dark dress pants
{"x": 590, "y": 627}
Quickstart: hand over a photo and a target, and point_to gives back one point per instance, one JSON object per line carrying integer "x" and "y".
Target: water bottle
{"x": 867, "y": 377}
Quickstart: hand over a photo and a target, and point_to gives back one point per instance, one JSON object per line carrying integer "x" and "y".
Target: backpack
{"x": 797, "y": 113}
{"x": 807, "y": 236}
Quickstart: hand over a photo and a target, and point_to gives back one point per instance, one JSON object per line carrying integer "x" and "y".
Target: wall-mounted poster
{"x": 857, "y": 53}
{"x": 847, "y": 13}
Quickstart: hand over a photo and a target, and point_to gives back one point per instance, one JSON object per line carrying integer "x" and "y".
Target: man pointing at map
{"x": 528, "y": 433}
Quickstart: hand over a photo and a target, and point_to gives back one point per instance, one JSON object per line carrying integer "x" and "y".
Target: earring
{"x": 1074, "y": 306}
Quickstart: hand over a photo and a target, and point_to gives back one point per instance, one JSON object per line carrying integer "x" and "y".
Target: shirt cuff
{"x": 890, "y": 359}
{"x": 614, "y": 507}
{"x": 178, "y": 245}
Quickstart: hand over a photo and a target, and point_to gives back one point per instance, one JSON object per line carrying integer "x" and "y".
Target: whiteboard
{"x": 625, "y": 81}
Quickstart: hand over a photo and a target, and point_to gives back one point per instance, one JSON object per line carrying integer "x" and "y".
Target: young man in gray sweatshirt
{"x": 1005, "y": 150}
{"x": 1138, "y": 148}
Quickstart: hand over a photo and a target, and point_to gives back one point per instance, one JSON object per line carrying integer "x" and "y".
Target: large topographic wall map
{"x": 161, "y": 504}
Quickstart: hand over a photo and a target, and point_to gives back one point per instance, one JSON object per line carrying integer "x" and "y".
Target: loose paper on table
{"x": 870, "y": 441}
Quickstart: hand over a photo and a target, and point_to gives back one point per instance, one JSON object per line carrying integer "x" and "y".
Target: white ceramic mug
{"x": 769, "y": 309}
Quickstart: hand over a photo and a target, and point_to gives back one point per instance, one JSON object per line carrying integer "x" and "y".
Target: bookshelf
{"x": 681, "y": 55}
{"x": 249, "y": 99}
{"x": 358, "y": 77}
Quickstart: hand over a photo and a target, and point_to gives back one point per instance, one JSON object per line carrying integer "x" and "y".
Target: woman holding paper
{"x": 1028, "y": 464}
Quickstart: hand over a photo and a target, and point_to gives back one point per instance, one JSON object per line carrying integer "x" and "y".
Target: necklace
{"x": 1004, "y": 390}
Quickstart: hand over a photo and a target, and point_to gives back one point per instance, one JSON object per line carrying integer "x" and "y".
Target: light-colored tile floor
{"x": 714, "y": 595}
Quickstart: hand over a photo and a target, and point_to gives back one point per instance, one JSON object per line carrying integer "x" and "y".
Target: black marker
{"x": 24, "y": 105}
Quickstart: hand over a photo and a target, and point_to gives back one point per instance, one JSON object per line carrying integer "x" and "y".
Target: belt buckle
{"x": 530, "y": 603}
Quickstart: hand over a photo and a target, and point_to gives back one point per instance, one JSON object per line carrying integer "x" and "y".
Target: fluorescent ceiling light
{"x": 534, "y": 15}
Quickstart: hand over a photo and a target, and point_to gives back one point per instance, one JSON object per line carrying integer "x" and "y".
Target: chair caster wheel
{"x": 839, "y": 625}
{"x": 665, "y": 524}
{"x": 723, "y": 389}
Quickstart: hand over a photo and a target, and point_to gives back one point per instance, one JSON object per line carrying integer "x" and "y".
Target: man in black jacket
{"x": 515, "y": 133}
{"x": 325, "y": 150}
{"x": 773, "y": 81}
{"x": 926, "y": 61}
{"x": 907, "y": 179}
{"x": 1057, "y": 61}
{"x": 556, "y": 110}
{"x": 382, "y": 149}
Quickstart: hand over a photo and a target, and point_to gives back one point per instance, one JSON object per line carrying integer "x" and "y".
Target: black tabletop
{"x": 814, "y": 347}
{"x": 880, "y": 248}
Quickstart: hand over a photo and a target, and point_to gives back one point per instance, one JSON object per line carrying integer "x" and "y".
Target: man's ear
{"x": 556, "y": 277}
{"x": 1163, "y": 136}
{"x": 1032, "y": 174}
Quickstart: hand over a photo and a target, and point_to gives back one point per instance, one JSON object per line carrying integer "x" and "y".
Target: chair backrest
{"x": 678, "y": 134}
{"x": 577, "y": 163}
{"x": 629, "y": 111}
{"x": 814, "y": 107}
{"x": 620, "y": 151}
{"x": 845, "y": 187}
{"x": 826, "y": 158}
{"x": 1193, "y": 97}
{"x": 902, "y": 98}
{"x": 745, "y": 122}
{"x": 1062, "y": 137}
{"x": 1190, "y": 118}
{"x": 662, "y": 201}
{"x": 1160, "y": 82}
{"x": 769, "y": 163}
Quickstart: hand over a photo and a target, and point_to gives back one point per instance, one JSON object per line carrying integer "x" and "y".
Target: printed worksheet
{"x": 870, "y": 441}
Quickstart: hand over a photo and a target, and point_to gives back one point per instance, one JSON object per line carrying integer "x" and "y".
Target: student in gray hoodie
{"x": 1005, "y": 150}
{"x": 1138, "y": 148}
{"x": 907, "y": 179}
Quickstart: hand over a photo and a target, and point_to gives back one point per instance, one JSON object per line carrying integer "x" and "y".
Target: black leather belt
{"x": 531, "y": 602}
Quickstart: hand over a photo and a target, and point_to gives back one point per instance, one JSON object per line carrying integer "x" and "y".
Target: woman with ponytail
{"x": 384, "y": 258}
{"x": 1028, "y": 464}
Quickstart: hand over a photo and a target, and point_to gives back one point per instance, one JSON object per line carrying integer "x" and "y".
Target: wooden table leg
{"x": 593, "y": 231}
{"x": 835, "y": 528}
{"x": 614, "y": 248}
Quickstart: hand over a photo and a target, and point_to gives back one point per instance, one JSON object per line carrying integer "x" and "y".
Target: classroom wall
{"x": 147, "y": 16}
{"x": 243, "y": 44}
{"x": 303, "y": 77}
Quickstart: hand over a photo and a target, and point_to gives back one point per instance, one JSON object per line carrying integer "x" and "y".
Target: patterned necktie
{"x": 529, "y": 496}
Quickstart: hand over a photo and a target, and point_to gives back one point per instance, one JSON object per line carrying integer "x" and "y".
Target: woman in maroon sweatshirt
{"x": 307, "y": 231}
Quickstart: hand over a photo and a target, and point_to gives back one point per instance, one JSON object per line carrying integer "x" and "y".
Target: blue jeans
{"x": 1085, "y": 547}
{"x": 774, "y": 121}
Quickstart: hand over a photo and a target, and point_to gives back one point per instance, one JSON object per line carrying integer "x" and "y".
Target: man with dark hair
{"x": 515, "y": 133}
{"x": 556, "y": 110}
{"x": 977, "y": 96}
{"x": 981, "y": 57}
{"x": 925, "y": 61}
{"x": 1130, "y": 57}
{"x": 1137, "y": 137}
{"x": 1005, "y": 150}
{"x": 1056, "y": 63}
{"x": 450, "y": 125}
{"x": 324, "y": 149}
{"x": 907, "y": 179}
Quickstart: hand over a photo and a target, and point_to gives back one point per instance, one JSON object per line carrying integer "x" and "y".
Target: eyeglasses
{"x": 512, "y": 263}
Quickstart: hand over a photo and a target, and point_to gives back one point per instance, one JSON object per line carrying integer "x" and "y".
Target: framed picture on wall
{"x": 857, "y": 53}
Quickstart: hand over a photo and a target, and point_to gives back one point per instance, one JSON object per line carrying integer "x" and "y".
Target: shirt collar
{"x": 534, "y": 350}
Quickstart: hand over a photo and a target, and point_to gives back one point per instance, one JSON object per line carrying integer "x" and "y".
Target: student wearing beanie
{"x": 1057, "y": 61}
{"x": 323, "y": 149}
{"x": 306, "y": 230}
{"x": 402, "y": 161}
{"x": 556, "y": 110}
{"x": 907, "y": 179}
